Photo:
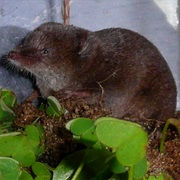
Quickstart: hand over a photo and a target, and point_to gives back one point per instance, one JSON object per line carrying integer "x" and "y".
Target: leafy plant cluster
{"x": 114, "y": 149}
{"x": 8, "y": 101}
{"x": 19, "y": 151}
{"x": 111, "y": 152}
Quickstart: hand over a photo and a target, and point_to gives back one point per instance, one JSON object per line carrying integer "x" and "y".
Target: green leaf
{"x": 17, "y": 147}
{"x": 54, "y": 108}
{"x": 8, "y": 101}
{"x": 113, "y": 132}
{"x": 41, "y": 149}
{"x": 89, "y": 137}
{"x": 23, "y": 153}
{"x": 8, "y": 143}
{"x": 95, "y": 154}
{"x": 98, "y": 145}
{"x": 122, "y": 176}
{"x": 133, "y": 150}
{"x": 41, "y": 171}
{"x": 8, "y": 97}
{"x": 140, "y": 169}
{"x": 84, "y": 128}
{"x": 9, "y": 169}
{"x": 6, "y": 114}
{"x": 42, "y": 107}
{"x": 6, "y": 127}
{"x": 162, "y": 176}
{"x": 25, "y": 176}
{"x": 79, "y": 125}
{"x": 40, "y": 131}
{"x": 33, "y": 135}
{"x": 128, "y": 139}
{"x": 116, "y": 166}
{"x": 95, "y": 162}
{"x": 68, "y": 165}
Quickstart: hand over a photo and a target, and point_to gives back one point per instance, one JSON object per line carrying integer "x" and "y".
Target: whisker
{"x": 14, "y": 68}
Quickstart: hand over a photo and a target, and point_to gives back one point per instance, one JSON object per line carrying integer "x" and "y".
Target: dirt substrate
{"x": 59, "y": 141}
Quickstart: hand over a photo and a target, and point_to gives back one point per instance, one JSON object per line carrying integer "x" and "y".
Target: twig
{"x": 102, "y": 94}
{"x": 102, "y": 89}
{"x": 111, "y": 75}
{"x": 66, "y": 11}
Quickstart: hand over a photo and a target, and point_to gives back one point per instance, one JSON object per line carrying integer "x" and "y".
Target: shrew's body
{"x": 135, "y": 79}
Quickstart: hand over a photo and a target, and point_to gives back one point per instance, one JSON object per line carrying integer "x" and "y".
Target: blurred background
{"x": 157, "y": 20}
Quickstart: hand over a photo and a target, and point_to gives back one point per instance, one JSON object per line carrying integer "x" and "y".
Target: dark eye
{"x": 45, "y": 51}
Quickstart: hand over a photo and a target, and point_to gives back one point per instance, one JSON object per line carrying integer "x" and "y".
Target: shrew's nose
{"x": 12, "y": 54}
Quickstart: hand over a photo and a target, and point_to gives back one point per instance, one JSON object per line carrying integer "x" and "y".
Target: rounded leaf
{"x": 8, "y": 97}
{"x": 54, "y": 108}
{"x": 140, "y": 169}
{"x": 89, "y": 137}
{"x": 33, "y": 135}
{"x": 9, "y": 169}
{"x": 18, "y": 147}
{"x": 92, "y": 155}
{"x": 133, "y": 150}
{"x": 80, "y": 125}
{"x": 127, "y": 138}
{"x": 114, "y": 132}
{"x": 6, "y": 114}
{"x": 68, "y": 165}
{"x": 39, "y": 169}
{"x": 116, "y": 166}
{"x": 25, "y": 176}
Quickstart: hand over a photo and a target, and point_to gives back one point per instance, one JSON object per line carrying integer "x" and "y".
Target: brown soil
{"x": 59, "y": 141}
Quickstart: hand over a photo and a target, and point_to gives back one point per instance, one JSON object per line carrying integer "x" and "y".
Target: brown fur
{"x": 133, "y": 75}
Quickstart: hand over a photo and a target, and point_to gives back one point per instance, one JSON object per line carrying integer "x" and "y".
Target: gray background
{"x": 157, "y": 20}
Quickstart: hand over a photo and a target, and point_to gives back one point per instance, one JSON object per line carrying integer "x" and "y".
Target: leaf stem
{"x": 164, "y": 135}
{"x": 130, "y": 173}
{"x": 78, "y": 171}
{"x": 174, "y": 122}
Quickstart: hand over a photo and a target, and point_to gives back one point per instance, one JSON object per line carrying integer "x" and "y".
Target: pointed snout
{"x": 12, "y": 54}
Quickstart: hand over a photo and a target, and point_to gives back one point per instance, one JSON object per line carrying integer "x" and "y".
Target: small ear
{"x": 89, "y": 46}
